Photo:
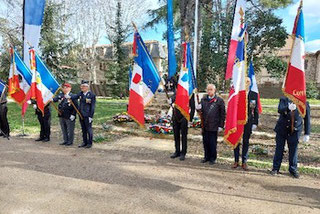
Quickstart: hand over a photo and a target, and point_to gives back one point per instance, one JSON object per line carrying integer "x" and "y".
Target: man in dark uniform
{"x": 213, "y": 114}
{"x": 44, "y": 120}
{"x": 252, "y": 123}
{"x": 180, "y": 126}
{"x": 4, "y": 125}
{"x": 289, "y": 128}
{"x": 66, "y": 114}
{"x": 87, "y": 107}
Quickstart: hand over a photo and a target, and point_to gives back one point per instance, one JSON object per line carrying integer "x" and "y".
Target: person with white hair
{"x": 212, "y": 108}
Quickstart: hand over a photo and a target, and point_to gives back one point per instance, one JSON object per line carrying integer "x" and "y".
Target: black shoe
{"x": 88, "y": 146}
{"x": 274, "y": 172}
{"x": 46, "y": 140}
{"x": 295, "y": 174}
{"x": 64, "y": 143}
{"x": 68, "y": 144}
{"x": 212, "y": 162}
{"x": 82, "y": 145}
{"x": 204, "y": 160}
{"x": 175, "y": 155}
{"x": 182, "y": 157}
{"x": 40, "y": 139}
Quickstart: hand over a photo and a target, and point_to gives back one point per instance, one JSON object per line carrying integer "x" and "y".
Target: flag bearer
{"x": 180, "y": 129}
{"x": 44, "y": 120}
{"x": 87, "y": 101}
{"x": 213, "y": 113}
{"x": 289, "y": 128}
{"x": 4, "y": 125}
{"x": 66, "y": 114}
{"x": 251, "y": 125}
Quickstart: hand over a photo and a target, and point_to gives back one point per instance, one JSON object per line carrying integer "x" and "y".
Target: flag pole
{"x": 195, "y": 45}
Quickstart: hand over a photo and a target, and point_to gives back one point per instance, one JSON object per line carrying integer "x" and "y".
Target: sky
{"x": 311, "y": 9}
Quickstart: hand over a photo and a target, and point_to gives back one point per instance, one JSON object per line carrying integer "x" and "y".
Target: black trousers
{"x": 245, "y": 144}
{"x": 4, "y": 125}
{"x": 210, "y": 145}
{"x": 180, "y": 128}
{"x": 87, "y": 133}
{"x": 45, "y": 123}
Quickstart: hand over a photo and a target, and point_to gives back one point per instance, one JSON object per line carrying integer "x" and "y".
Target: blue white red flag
{"x": 145, "y": 80}
{"x": 19, "y": 78}
{"x": 33, "y": 11}
{"x": 294, "y": 85}
{"x": 186, "y": 83}
{"x": 237, "y": 101}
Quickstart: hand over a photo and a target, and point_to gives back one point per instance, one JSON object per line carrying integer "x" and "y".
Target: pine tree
{"x": 117, "y": 72}
{"x": 56, "y": 49}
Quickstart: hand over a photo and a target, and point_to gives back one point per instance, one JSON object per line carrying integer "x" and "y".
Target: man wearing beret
{"x": 67, "y": 114}
{"x": 87, "y": 101}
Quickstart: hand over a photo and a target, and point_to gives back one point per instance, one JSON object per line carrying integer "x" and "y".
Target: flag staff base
{"x": 23, "y": 134}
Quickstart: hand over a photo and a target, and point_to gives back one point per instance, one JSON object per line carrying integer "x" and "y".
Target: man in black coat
{"x": 180, "y": 126}
{"x": 289, "y": 127}
{"x": 45, "y": 122}
{"x": 87, "y": 101}
{"x": 4, "y": 125}
{"x": 66, "y": 114}
{"x": 252, "y": 123}
{"x": 213, "y": 112}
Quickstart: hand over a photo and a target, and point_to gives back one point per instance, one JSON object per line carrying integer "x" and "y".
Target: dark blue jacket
{"x": 213, "y": 113}
{"x": 87, "y": 103}
{"x": 284, "y": 122}
{"x": 253, "y": 111}
{"x": 65, "y": 107}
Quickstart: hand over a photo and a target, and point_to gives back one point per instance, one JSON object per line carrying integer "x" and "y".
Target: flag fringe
{"x": 136, "y": 120}
{"x": 230, "y": 132}
{"x": 296, "y": 101}
{"x": 183, "y": 112}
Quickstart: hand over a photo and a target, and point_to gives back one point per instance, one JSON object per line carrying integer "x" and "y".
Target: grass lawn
{"x": 105, "y": 110}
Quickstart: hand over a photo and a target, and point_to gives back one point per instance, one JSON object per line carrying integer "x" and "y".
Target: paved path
{"x": 135, "y": 175}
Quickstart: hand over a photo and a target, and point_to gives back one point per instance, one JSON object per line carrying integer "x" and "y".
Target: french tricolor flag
{"x": 186, "y": 83}
{"x": 33, "y": 11}
{"x": 145, "y": 80}
{"x": 19, "y": 78}
{"x": 294, "y": 85}
{"x": 254, "y": 85}
{"x": 44, "y": 86}
{"x": 238, "y": 23}
{"x": 237, "y": 101}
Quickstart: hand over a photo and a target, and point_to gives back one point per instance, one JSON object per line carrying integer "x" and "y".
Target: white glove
{"x": 90, "y": 120}
{"x": 254, "y": 127}
{"x": 306, "y": 138}
{"x": 72, "y": 117}
{"x": 198, "y": 106}
{"x": 220, "y": 129}
{"x": 67, "y": 96}
{"x": 35, "y": 106}
{"x": 292, "y": 106}
{"x": 29, "y": 102}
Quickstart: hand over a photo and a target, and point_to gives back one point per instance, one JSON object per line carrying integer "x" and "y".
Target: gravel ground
{"x": 135, "y": 175}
